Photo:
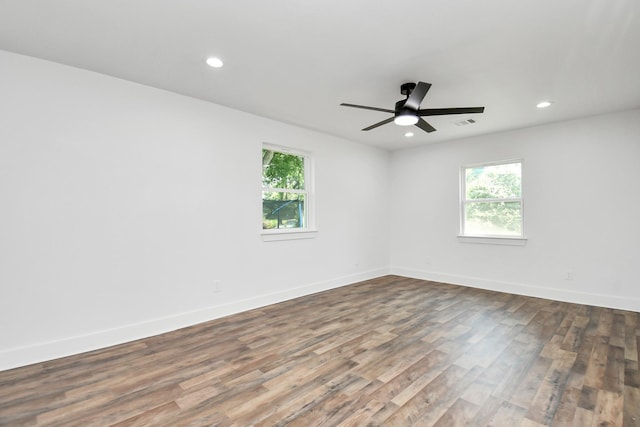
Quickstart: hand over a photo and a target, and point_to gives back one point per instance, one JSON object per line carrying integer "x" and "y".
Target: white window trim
{"x": 309, "y": 231}
{"x": 288, "y": 234}
{"x": 494, "y": 240}
{"x": 518, "y": 240}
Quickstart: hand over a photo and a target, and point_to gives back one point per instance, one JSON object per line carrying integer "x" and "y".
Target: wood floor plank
{"x": 631, "y": 414}
{"x": 594, "y": 375}
{"x": 156, "y": 415}
{"x": 630, "y": 338}
{"x": 508, "y": 415}
{"x": 459, "y": 414}
{"x": 391, "y": 351}
{"x": 565, "y": 412}
{"x": 609, "y": 409}
{"x": 582, "y": 417}
{"x": 528, "y": 388}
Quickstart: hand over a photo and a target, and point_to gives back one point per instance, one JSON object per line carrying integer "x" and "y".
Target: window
{"x": 491, "y": 200}
{"x": 285, "y": 189}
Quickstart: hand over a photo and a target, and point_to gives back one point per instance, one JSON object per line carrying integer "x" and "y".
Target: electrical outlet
{"x": 427, "y": 260}
{"x": 217, "y": 286}
{"x": 568, "y": 275}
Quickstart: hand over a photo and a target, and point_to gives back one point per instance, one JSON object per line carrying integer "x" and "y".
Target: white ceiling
{"x": 296, "y": 61}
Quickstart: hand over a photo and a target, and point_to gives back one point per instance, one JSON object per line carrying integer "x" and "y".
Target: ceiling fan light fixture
{"x": 405, "y": 118}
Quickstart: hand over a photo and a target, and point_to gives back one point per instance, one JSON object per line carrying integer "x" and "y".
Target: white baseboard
{"x": 600, "y": 300}
{"x": 40, "y": 352}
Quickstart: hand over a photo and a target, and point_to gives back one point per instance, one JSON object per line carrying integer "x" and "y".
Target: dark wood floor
{"x": 390, "y": 351}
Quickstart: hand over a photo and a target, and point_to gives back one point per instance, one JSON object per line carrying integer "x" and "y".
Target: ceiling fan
{"x": 407, "y": 111}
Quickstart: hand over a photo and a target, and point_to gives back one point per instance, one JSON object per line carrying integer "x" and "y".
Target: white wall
{"x": 582, "y": 212}
{"x": 120, "y": 205}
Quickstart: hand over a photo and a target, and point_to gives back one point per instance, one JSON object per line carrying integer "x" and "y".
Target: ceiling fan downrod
{"x": 407, "y": 88}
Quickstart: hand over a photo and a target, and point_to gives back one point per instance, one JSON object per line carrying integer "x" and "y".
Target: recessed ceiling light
{"x": 214, "y": 62}
{"x": 544, "y": 104}
{"x": 408, "y": 134}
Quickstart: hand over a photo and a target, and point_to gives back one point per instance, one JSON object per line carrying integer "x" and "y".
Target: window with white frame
{"x": 491, "y": 203}
{"x": 286, "y": 181}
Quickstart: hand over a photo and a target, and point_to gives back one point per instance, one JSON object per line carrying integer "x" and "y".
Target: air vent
{"x": 464, "y": 122}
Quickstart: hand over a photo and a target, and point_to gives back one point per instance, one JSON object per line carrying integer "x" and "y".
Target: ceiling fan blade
{"x": 384, "y": 110}
{"x": 384, "y": 122}
{"x": 445, "y": 111}
{"x": 422, "y": 124}
{"x": 417, "y": 95}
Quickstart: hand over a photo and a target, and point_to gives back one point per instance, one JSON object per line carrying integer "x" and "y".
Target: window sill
{"x": 288, "y": 234}
{"x": 490, "y": 240}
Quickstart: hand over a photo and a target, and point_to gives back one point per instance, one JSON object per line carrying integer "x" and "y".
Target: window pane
{"x": 282, "y": 210}
{"x": 281, "y": 170}
{"x": 493, "y": 218}
{"x": 493, "y": 181}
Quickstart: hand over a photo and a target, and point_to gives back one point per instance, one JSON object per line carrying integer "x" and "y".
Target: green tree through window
{"x": 492, "y": 200}
{"x": 284, "y": 190}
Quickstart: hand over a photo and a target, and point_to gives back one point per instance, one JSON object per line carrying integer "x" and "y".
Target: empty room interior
{"x": 350, "y": 213}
